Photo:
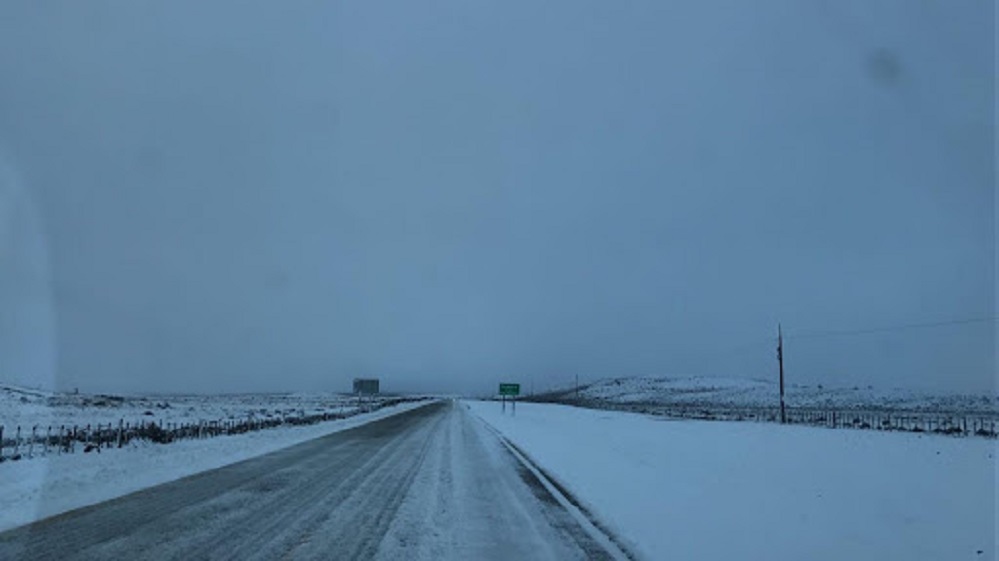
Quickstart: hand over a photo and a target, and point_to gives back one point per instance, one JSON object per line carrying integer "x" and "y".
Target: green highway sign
{"x": 509, "y": 389}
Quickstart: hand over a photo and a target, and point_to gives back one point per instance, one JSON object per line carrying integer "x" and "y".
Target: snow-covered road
{"x": 432, "y": 483}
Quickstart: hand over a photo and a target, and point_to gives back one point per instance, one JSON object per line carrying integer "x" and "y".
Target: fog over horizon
{"x": 231, "y": 196}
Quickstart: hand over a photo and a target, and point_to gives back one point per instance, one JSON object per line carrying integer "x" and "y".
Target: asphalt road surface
{"x": 432, "y": 483}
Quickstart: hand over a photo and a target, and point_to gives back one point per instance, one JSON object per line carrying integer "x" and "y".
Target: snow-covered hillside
{"x": 28, "y": 407}
{"x": 720, "y": 393}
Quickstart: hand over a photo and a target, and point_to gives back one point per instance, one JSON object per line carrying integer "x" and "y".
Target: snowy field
{"x": 721, "y": 491}
{"x": 27, "y": 407}
{"x": 42, "y": 487}
{"x": 712, "y": 392}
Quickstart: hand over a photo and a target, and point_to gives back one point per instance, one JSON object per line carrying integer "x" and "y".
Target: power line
{"x": 888, "y": 329}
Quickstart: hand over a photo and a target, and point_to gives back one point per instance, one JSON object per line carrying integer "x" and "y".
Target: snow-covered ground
{"x": 712, "y": 392}
{"x": 677, "y": 489}
{"x": 36, "y": 489}
{"x": 27, "y": 407}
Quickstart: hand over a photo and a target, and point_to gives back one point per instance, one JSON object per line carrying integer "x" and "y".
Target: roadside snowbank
{"x": 36, "y": 489}
{"x": 717, "y": 490}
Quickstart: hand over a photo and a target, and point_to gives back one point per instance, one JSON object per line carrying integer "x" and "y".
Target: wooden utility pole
{"x": 780, "y": 362}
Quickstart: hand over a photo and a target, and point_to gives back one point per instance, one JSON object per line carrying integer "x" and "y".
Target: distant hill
{"x": 725, "y": 393}
{"x": 26, "y": 407}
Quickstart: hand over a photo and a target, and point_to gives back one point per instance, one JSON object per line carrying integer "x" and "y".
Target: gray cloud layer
{"x": 259, "y": 195}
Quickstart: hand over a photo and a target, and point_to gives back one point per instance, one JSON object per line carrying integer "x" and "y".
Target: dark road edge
{"x": 614, "y": 545}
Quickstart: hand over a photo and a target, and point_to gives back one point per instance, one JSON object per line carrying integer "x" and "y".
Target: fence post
{"x": 48, "y": 436}
{"x": 17, "y": 441}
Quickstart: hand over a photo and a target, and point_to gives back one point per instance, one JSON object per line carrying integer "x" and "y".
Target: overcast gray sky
{"x": 241, "y": 196}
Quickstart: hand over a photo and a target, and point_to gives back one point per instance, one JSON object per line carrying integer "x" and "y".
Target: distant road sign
{"x": 509, "y": 389}
{"x": 366, "y": 386}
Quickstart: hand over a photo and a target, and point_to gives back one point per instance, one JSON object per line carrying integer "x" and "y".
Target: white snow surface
{"x": 704, "y": 391}
{"x": 679, "y": 489}
{"x": 27, "y": 407}
{"x": 467, "y": 501}
{"x": 34, "y": 489}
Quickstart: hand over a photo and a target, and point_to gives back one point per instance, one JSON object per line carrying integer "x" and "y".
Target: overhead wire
{"x": 887, "y": 329}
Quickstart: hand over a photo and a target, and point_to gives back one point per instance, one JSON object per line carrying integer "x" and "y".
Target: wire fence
{"x": 21, "y": 442}
{"x": 980, "y": 424}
